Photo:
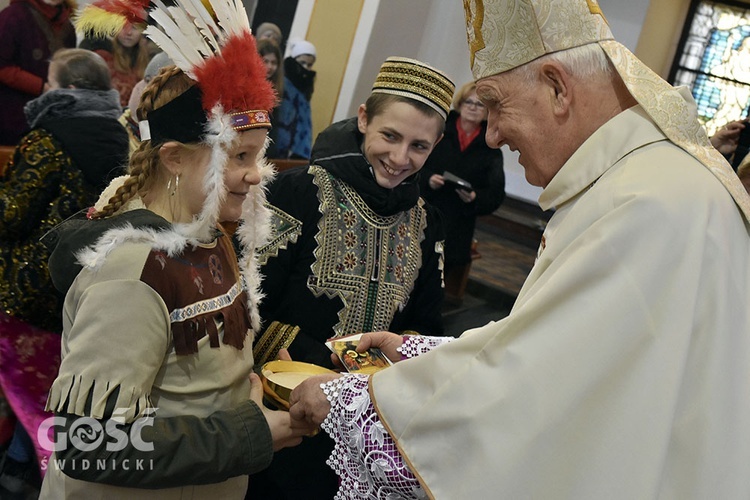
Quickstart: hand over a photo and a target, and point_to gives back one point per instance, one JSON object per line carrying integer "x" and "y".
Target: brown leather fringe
{"x": 236, "y": 321}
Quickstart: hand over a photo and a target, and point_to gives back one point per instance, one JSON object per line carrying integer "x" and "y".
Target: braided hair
{"x": 169, "y": 83}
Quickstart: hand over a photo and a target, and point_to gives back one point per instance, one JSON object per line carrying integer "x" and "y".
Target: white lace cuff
{"x": 365, "y": 456}
{"x": 415, "y": 345}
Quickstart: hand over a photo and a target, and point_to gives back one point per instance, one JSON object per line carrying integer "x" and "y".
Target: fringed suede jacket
{"x": 158, "y": 332}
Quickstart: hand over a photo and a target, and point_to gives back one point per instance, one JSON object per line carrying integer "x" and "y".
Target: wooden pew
{"x": 285, "y": 164}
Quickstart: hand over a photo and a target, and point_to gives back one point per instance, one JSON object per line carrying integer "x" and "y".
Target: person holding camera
{"x": 733, "y": 141}
{"x": 463, "y": 153}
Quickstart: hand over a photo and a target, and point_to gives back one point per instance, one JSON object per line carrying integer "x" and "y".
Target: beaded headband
{"x": 211, "y": 43}
{"x": 415, "y": 80}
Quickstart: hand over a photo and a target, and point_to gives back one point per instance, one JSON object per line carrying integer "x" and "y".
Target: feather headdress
{"x": 211, "y": 42}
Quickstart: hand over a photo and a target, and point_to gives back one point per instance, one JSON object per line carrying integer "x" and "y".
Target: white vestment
{"x": 623, "y": 369}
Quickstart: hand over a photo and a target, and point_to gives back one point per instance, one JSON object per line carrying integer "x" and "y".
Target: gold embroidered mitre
{"x": 506, "y": 34}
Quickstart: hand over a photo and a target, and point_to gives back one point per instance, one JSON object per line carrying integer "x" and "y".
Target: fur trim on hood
{"x": 253, "y": 230}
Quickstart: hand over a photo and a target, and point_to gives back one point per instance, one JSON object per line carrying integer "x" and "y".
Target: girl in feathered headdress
{"x": 159, "y": 316}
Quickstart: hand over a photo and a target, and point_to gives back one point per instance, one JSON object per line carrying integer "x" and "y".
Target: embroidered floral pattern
{"x": 350, "y": 239}
{"x": 350, "y": 219}
{"x": 350, "y": 261}
{"x": 370, "y": 261}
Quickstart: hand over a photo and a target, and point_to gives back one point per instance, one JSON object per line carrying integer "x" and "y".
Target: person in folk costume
{"x": 160, "y": 312}
{"x": 30, "y": 32}
{"x": 355, "y": 249}
{"x": 622, "y": 370}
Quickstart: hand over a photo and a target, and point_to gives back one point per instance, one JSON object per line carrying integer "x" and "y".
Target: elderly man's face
{"x": 520, "y": 116}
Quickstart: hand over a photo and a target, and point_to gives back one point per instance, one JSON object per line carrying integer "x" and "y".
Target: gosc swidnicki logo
{"x": 88, "y": 434}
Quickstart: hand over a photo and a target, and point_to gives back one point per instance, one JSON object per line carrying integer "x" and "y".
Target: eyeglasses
{"x": 473, "y": 104}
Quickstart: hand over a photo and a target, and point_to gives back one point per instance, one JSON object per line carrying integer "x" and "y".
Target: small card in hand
{"x": 369, "y": 361}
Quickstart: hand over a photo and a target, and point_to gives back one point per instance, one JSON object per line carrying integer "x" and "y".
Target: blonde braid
{"x": 144, "y": 161}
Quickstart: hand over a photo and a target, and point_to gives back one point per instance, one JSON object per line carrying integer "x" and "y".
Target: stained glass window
{"x": 714, "y": 61}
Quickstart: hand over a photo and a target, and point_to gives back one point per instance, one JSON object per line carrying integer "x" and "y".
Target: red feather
{"x": 133, "y": 10}
{"x": 236, "y": 78}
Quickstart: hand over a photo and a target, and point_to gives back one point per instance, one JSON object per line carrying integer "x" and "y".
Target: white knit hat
{"x": 302, "y": 47}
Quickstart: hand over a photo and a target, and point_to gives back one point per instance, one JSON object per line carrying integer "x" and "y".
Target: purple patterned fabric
{"x": 365, "y": 456}
{"x": 29, "y": 361}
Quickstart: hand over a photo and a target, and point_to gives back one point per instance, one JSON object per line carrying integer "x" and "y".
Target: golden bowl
{"x": 280, "y": 377}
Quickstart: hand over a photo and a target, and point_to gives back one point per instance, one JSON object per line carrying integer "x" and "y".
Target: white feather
{"x": 173, "y": 31}
{"x": 170, "y": 47}
{"x": 230, "y": 19}
{"x": 203, "y": 21}
{"x": 191, "y": 32}
{"x": 241, "y": 19}
{"x": 188, "y": 33}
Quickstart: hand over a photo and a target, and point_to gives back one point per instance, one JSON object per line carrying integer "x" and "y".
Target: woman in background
{"x": 293, "y": 118}
{"x": 464, "y": 153}
{"x": 270, "y": 31}
{"x": 271, "y": 54}
{"x": 127, "y": 57}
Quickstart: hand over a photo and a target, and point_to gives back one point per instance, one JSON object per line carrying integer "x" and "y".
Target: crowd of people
{"x": 152, "y": 261}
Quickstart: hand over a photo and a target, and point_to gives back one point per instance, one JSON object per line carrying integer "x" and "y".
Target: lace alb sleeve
{"x": 365, "y": 456}
{"x": 414, "y": 345}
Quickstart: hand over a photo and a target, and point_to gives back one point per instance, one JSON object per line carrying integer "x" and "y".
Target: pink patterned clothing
{"x": 29, "y": 359}
{"x": 365, "y": 456}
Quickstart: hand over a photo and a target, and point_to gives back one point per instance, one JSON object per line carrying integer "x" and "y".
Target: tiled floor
{"x": 504, "y": 264}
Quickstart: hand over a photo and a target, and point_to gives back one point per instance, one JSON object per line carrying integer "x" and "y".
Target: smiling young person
{"x": 355, "y": 248}
{"x": 160, "y": 312}
{"x": 600, "y": 383}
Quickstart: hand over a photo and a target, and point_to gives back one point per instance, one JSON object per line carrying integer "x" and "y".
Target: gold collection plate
{"x": 281, "y": 377}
